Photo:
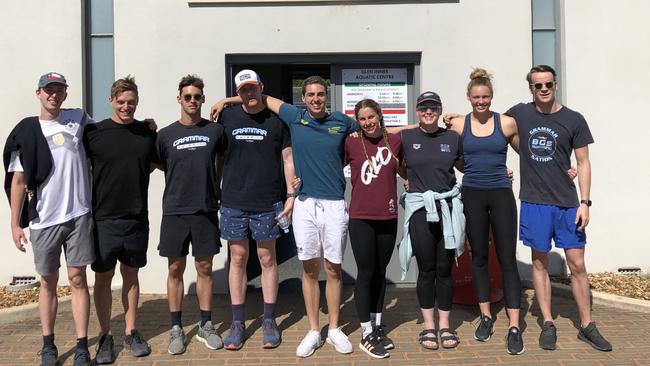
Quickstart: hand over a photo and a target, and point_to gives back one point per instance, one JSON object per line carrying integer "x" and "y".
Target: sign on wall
{"x": 386, "y": 86}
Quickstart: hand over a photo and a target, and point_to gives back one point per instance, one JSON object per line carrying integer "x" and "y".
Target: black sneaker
{"x": 485, "y": 329}
{"x": 591, "y": 335}
{"x": 380, "y": 332}
{"x": 138, "y": 346}
{"x": 514, "y": 342}
{"x": 49, "y": 356}
{"x": 105, "y": 351}
{"x": 373, "y": 346}
{"x": 81, "y": 358}
{"x": 548, "y": 336}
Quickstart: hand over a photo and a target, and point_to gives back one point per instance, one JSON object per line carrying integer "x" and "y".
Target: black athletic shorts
{"x": 177, "y": 231}
{"x": 125, "y": 239}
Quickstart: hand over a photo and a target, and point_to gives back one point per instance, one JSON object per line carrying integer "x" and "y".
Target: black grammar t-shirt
{"x": 252, "y": 173}
{"x": 120, "y": 155}
{"x": 430, "y": 158}
{"x": 188, "y": 155}
{"x": 546, "y": 142}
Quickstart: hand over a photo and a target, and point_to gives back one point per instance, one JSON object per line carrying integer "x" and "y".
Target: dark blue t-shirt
{"x": 318, "y": 150}
{"x": 188, "y": 155}
{"x": 252, "y": 170}
{"x": 546, "y": 142}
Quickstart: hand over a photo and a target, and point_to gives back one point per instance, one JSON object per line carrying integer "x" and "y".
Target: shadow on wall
{"x": 556, "y": 266}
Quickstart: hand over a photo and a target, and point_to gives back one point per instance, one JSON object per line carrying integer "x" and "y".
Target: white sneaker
{"x": 309, "y": 344}
{"x": 339, "y": 340}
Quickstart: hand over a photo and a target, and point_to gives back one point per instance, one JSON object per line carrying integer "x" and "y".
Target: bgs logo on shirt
{"x": 542, "y": 142}
{"x": 445, "y": 148}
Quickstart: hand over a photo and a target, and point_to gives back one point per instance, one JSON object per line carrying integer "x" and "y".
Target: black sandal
{"x": 423, "y": 337}
{"x": 452, "y": 337}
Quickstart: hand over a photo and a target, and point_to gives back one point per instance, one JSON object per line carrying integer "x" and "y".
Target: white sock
{"x": 366, "y": 329}
{"x": 373, "y": 316}
{"x": 377, "y": 319}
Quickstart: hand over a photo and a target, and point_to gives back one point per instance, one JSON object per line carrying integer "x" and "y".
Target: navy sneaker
{"x": 548, "y": 336}
{"x": 373, "y": 346}
{"x": 105, "y": 351}
{"x": 514, "y": 341}
{"x": 591, "y": 335}
{"x": 81, "y": 358}
{"x": 138, "y": 346}
{"x": 270, "y": 334}
{"x": 380, "y": 332}
{"x": 235, "y": 338}
{"x": 49, "y": 356}
{"x": 485, "y": 329}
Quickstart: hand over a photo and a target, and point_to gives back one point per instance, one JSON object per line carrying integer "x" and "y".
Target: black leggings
{"x": 496, "y": 208}
{"x": 434, "y": 262}
{"x": 372, "y": 243}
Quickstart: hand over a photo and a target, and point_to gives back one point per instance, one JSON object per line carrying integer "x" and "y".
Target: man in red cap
{"x": 258, "y": 146}
{"x": 44, "y": 156}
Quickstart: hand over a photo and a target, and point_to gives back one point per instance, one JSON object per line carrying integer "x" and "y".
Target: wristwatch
{"x": 586, "y": 202}
{"x": 292, "y": 194}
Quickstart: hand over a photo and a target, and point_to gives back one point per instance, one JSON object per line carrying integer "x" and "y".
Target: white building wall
{"x": 36, "y": 37}
{"x": 604, "y": 66}
{"x": 159, "y": 41}
{"x": 607, "y": 58}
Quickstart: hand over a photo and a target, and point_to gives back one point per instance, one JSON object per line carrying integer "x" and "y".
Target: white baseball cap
{"x": 246, "y": 77}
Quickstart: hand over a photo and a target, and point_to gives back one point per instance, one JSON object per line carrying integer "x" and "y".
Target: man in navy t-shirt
{"x": 550, "y": 209}
{"x": 320, "y": 218}
{"x": 257, "y": 148}
{"x": 188, "y": 151}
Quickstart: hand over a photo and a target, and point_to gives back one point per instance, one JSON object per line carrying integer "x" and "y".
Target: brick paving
{"x": 628, "y": 331}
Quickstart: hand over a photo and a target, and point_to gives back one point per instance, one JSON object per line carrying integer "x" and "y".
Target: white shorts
{"x": 320, "y": 225}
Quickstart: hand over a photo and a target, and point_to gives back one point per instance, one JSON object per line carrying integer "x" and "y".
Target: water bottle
{"x": 283, "y": 221}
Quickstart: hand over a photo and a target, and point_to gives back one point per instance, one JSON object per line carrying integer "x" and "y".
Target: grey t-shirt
{"x": 546, "y": 142}
{"x": 188, "y": 155}
{"x": 429, "y": 159}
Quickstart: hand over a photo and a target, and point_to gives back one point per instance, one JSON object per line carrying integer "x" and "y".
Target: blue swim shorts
{"x": 538, "y": 224}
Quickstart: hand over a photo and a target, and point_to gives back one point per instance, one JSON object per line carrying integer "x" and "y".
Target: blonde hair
{"x": 369, "y": 103}
{"x": 480, "y": 77}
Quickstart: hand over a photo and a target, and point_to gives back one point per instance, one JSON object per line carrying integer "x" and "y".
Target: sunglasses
{"x": 188, "y": 97}
{"x": 425, "y": 108}
{"x": 539, "y": 86}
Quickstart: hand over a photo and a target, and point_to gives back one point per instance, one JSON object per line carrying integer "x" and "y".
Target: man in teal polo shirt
{"x": 320, "y": 218}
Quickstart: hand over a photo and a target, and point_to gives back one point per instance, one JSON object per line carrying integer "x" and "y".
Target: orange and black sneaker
{"x": 373, "y": 346}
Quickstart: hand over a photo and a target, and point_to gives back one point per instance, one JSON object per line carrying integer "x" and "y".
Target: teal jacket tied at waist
{"x": 453, "y": 221}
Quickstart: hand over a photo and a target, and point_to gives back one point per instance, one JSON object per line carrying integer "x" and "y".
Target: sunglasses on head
{"x": 425, "y": 108}
{"x": 539, "y": 86}
{"x": 188, "y": 97}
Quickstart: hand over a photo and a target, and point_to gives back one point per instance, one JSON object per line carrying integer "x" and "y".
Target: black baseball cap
{"x": 428, "y": 96}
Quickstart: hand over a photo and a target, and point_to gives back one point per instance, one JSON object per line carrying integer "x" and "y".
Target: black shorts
{"x": 177, "y": 231}
{"x": 124, "y": 239}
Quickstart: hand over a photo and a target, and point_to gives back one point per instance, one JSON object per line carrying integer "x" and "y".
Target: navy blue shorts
{"x": 239, "y": 225}
{"x": 538, "y": 224}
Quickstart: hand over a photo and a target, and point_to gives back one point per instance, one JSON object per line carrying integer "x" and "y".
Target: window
{"x": 99, "y": 58}
{"x": 546, "y": 36}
